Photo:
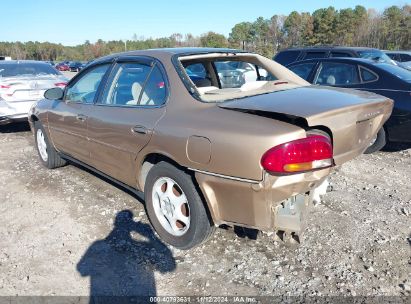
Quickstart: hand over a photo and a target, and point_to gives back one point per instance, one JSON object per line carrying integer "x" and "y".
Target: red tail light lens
{"x": 306, "y": 154}
{"x": 60, "y": 84}
{"x": 4, "y": 86}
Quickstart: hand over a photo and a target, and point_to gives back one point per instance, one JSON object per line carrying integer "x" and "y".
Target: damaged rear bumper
{"x": 278, "y": 203}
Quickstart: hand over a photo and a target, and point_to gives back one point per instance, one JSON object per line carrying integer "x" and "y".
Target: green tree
{"x": 324, "y": 21}
{"x": 212, "y": 39}
{"x": 241, "y": 35}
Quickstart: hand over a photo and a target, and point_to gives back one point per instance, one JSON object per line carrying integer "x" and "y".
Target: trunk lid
{"x": 28, "y": 88}
{"x": 353, "y": 117}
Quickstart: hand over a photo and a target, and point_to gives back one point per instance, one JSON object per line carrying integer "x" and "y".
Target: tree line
{"x": 389, "y": 29}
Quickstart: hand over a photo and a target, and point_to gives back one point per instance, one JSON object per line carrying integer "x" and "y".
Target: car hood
{"x": 353, "y": 117}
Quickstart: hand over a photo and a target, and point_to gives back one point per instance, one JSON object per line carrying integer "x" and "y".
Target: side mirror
{"x": 54, "y": 94}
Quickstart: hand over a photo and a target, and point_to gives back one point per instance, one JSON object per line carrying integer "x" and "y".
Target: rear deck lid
{"x": 353, "y": 117}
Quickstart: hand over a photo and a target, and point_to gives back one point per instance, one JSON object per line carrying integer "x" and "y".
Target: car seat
{"x": 135, "y": 92}
{"x": 331, "y": 80}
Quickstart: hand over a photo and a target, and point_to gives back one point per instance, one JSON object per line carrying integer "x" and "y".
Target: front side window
{"x": 84, "y": 90}
{"x": 339, "y": 74}
{"x": 135, "y": 84}
{"x": 303, "y": 70}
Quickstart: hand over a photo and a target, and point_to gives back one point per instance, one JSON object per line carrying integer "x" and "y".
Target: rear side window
{"x": 135, "y": 84}
{"x": 85, "y": 88}
{"x": 313, "y": 55}
{"x": 303, "y": 70}
{"x": 26, "y": 69}
{"x": 367, "y": 75}
{"x": 340, "y": 54}
{"x": 286, "y": 57}
{"x": 338, "y": 74}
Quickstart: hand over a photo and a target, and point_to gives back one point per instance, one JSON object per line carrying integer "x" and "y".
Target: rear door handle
{"x": 140, "y": 130}
{"x": 81, "y": 117}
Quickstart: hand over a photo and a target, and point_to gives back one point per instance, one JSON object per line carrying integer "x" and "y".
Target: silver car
{"x": 21, "y": 84}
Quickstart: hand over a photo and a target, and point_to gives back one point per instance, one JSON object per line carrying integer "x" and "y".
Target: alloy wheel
{"x": 41, "y": 145}
{"x": 171, "y": 206}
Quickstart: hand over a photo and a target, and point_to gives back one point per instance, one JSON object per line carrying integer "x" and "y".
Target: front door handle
{"x": 140, "y": 130}
{"x": 81, "y": 117}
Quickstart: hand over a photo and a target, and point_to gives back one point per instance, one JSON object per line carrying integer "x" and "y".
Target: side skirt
{"x": 103, "y": 175}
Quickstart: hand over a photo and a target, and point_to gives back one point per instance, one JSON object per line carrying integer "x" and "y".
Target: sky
{"x": 75, "y": 21}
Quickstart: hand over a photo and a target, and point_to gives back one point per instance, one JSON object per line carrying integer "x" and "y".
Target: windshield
{"x": 25, "y": 69}
{"x": 397, "y": 71}
{"x": 375, "y": 55}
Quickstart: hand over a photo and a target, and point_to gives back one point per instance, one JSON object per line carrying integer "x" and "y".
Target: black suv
{"x": 288, "y": 56}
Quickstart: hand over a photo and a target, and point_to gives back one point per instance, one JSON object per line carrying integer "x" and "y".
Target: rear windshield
{"x": 26, "y": 69}
{"x": 219, "y": 77}
{"x": 397, "y": 71}
{"x": 375, "y": 55}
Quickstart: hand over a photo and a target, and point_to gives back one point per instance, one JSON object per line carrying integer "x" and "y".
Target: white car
{"x": 22, "y": 83}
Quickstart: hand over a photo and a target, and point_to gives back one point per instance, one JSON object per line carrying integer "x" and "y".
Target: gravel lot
{"x": 68, "y": 232}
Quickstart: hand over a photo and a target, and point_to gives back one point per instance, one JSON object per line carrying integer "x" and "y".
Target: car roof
{"x": 170, "y": 51}
{"x": 327, "y": 48}
{"x": 342, "y": 59}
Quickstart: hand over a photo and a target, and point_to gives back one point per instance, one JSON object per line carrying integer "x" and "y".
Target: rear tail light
{"x": 2, "y": 86}
{"x": 306, "y": 154}
{"x": 60, "y": 84}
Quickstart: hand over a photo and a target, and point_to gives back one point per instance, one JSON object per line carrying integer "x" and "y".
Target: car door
{"x": 122, "y": 120}
{"x": 69, "y": 118}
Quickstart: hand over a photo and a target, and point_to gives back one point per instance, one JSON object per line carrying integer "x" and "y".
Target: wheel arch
{"x": 33, "y": 118}
{"x": 152, "y": 158}
{"x": 149, "y": 160}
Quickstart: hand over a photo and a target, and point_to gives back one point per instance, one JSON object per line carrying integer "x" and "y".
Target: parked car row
{"x": 208, "y": 143}
{"x": 371, "y": 71}
{"x": 72, "y": 66}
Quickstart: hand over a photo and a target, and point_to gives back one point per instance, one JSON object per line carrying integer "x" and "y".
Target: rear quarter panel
{"x": 237, "y": 140}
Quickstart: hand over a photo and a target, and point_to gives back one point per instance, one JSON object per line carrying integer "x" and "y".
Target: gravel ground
{"x": 68, "y": 232}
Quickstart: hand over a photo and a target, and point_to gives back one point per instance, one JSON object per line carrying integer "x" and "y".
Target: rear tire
{"x": 47, "y": 154}
{"x": 379, "y": 143}
{"x": 165, "y": 189}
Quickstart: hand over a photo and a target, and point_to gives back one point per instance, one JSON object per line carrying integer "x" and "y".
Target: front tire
{"x": 175, "y": 208}
{"x": 378, "y": 144}
{"x": 47, "y": 154}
